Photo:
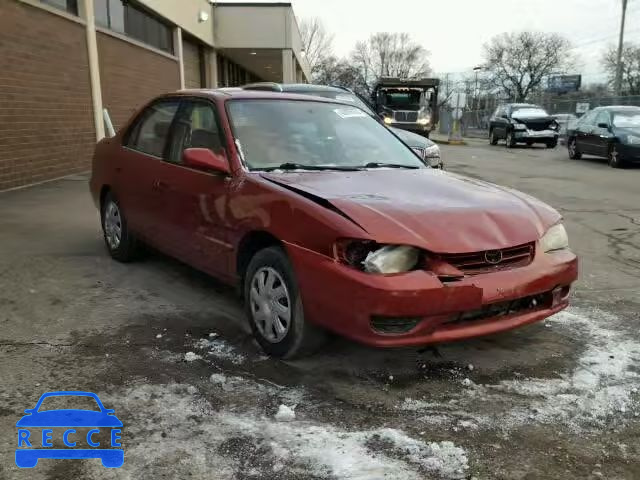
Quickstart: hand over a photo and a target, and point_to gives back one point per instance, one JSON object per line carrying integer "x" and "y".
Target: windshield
{"x": 272, "y": 133}
{"x": 528, "y": 112}
{"x": 401, "y": 97}
{"x": 629, "y": 119}
{"x": 340, "y": 96}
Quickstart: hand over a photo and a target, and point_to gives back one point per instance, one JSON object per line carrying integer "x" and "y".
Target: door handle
{"x": 160, "y": 185}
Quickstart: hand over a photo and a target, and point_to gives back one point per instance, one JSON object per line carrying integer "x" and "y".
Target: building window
{"x": 70, "y": 6}
{"x": 135, "y": 23}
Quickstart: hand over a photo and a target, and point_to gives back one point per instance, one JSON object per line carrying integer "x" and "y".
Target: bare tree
{"x": 517, "y": 63}
{"x": 630, "y": 80}
{"x": 338, "y": 71}
{"x": 316, "y": 42}
{"x": 390, "y": 55}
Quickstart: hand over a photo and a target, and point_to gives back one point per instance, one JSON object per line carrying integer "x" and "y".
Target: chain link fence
{"x": 475, "y": 122}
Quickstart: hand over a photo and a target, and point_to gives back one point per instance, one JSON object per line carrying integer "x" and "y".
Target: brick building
{"x": 63, "y": 61}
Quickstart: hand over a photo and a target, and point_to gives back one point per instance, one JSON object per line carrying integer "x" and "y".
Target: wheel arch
{"x": 249, "y": 245}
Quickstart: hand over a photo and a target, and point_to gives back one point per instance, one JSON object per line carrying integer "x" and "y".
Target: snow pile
{"x": 220, "y": 349}
{"x": 285, "y": 413}
{"x": 441, "y": 458}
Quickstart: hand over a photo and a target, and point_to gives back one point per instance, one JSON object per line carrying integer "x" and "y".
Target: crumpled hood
{"x": 435, "y": 210}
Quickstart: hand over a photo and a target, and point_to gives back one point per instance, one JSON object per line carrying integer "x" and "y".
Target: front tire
{"x": 614, "y": 159}
{"x": 552, "y": 144}
{"x": 274, "y": 307}
{"x": 572, "y": 147}
{"x": 121, "y": 243}
{"x": 511, "y": 139}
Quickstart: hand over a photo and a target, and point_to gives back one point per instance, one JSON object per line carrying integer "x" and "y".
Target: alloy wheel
{"x": 270, "y": 304}
{"x": 614, "y": 157}
{"x": 112, "y": 225}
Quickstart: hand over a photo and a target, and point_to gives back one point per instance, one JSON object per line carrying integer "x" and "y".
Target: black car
{"x": 428, "y": 151}
{"x": 523, "y": 123}
{"x": 609, "y": 132}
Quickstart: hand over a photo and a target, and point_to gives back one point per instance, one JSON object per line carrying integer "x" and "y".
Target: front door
{"x": 601, "y": 134}
{"x": 195, "y": 202}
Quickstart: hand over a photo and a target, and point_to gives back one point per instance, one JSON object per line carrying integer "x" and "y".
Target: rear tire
{"x": 274, "y": 307}
{"x": 572, "y": 147}
{"x": 492, "y": 138}
{"x": 511, "y": 139}
{"x": 121, "y": 243}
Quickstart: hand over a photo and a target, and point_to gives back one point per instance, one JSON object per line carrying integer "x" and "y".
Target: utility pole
{"x": 618, "y": 81}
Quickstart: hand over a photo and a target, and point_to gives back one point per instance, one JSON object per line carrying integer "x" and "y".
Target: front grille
{"x": 538, "y": 126}
{"x": 502, "y": 309}
{"x": 394, "y": 324}
{"x": 405, "y": 116}
{"x": 483, "y": 262}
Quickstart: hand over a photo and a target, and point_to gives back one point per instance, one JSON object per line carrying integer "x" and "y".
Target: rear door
{"x": 142, "y": 153}
{"x": 499, "y": 122}
{"x": 195, "y": 202}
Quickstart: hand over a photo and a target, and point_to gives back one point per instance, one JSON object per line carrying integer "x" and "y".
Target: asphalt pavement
{"x": 168, "y": 349}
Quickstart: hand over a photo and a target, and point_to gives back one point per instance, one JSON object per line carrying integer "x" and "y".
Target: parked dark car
{"x": 609, "y": 132}
{"x": 523, "y": 123}
{"x": 327, "y": 221}
{"x": 425, "y": 148}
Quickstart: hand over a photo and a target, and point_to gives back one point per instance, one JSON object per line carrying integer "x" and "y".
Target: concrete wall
{"x": 184, "y": 13}
{"x": 250, "y": 27}
{"x": 46, "y": 114}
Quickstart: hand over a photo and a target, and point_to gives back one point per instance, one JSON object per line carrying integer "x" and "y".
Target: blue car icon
{"x": 28, "y": 456}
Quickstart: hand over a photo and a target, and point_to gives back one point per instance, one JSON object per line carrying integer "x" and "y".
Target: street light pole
{"x": 618, "y": 80}
{"x": 475, "y": 90}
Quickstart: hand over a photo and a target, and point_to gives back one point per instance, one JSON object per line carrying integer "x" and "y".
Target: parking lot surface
{"x": 169, "y": 350}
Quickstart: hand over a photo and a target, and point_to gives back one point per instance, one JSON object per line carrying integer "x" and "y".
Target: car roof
{"x": 523, "y": 105}
{"x": 619, "y": 108}
{"x": 232, "y": 93}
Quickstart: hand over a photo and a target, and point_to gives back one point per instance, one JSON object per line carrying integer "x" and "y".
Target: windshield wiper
{"x": 300, "y": 166}
{"x": 389, "y": 165}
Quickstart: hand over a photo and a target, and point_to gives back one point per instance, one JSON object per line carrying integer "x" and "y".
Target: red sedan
{"x": 327, "y": 222}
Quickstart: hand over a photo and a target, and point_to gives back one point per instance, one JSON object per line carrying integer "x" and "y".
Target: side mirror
{"x": 603, "y": 125}
{"x": 205, "y": 159}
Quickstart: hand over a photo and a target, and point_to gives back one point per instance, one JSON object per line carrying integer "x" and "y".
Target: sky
{"x": 453, "y": 31}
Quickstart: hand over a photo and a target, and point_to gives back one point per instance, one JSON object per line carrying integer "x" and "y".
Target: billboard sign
{"x": 564, "y": 83}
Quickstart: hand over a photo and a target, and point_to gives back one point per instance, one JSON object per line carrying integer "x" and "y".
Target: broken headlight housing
{"x": 372, "y": 257}
{"x": 555, "y": 239}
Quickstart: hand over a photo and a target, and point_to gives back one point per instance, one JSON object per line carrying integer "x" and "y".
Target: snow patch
{"x": 599, "y": 388}
{"x": 190, "y": 357}
{"x": 285, "y": 413}
{"x": 173, "y": 434}
{"x": 220, "y": 349}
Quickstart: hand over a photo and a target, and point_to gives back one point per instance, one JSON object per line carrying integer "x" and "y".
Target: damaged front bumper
{"x": 416, "y": 308}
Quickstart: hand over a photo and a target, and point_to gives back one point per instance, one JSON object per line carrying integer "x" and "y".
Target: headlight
{"x": 633, "y": 140}
{"x": 432, "y": 151}
{"x": 423, "y": 121}
{"x": 554, "y": 126}
{"x": 555, "y": 239}
{"x": 372, "y": 257}
{"x": 520, "y": 126}
{"x": 388, "y": 120}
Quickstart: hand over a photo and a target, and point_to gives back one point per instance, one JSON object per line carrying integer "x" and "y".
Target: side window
{"x": 603, "y": 117}
{"x": 588, "y": 118}
{"x": 149, "y": 134}
{"x": 196, "y": 127}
